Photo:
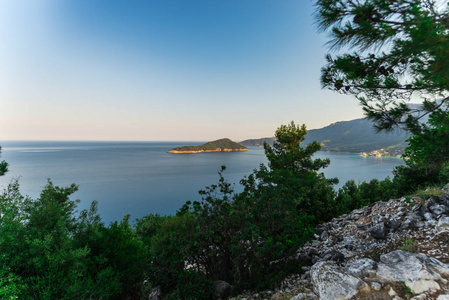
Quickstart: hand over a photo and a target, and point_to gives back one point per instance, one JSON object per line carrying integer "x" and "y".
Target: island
{"x": 221, "y": 145}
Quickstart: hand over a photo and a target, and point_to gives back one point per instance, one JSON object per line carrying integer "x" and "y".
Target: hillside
{"x": 388, "y": 250}
{"x": 353, "y": 136}
{"x": 258, "y": 142}
{"x": 221, "y": 145}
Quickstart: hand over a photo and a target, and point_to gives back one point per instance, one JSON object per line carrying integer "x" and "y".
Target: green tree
{"x": 427, "y": 155}
{"x": 47, "y": 252}
{"x": 293, "y": 174}
{"x": 243, "y": 238}
{"x": 3, "y": 165}
{"x": 401, "y": 49}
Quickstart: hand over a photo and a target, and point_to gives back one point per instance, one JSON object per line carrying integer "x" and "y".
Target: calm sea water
{"x": 141, "y": 177}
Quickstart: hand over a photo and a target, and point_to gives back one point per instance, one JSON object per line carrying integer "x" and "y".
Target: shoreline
{"x": 205, "y": 151}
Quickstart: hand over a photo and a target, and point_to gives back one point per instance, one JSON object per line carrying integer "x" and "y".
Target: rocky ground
{"x": 389, "y": 250}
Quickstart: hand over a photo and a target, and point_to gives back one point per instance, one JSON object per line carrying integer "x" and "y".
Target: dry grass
{"x": 430, "y": 191}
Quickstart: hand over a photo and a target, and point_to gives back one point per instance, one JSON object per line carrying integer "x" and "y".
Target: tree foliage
{"x": 48, "y": 252}
{"x": 427, "y": 156}
{"x": 248, "y": 239}
{"x": 293, "y": 174}
{"x": 244, "y": 238}
{"x": 3, "y": 165}
{"x": 401, "y": 49}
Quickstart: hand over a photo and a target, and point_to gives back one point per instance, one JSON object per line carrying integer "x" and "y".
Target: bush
{"x": 352, "y": 196}
{"x": 49, "y": 253}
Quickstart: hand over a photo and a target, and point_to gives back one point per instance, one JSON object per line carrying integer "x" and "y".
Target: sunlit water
{"x": 141, "y": 177}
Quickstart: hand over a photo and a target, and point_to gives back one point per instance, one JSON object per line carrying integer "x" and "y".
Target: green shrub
{"x": 352, "y": 196}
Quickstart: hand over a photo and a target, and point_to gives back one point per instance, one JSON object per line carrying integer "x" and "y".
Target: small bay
{"x": 141, "y": 177}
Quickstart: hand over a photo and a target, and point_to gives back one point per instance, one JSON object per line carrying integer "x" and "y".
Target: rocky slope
{"x": 389, "y": 250}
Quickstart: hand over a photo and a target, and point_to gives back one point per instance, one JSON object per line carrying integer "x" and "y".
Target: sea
{"x": 139, "y": 178}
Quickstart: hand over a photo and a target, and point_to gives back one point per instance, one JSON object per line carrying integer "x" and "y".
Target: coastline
{"x": 205, "y": 151}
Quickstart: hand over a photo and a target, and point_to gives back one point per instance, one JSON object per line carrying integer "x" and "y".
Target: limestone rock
{"x": 421, "y": 286}
{"x": 437, "y": 209}
{"x": 361, "y": 267}
{"x": 305, "y": 296}
{"x": 412, "y": 221}
{"x": 418, "y": 271}
{"x": 376, "y": 286}
{"x": 443, "y": 224}
{"x": 332, "y": 282}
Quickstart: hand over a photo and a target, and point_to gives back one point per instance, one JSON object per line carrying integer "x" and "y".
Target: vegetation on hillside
{"x": 258, "y": 142}
{"x": 214, "y": 145}
{"x": 48, "y": 251}
{"x": 353, "y": 136}
{"x": 247, "y": 239}
{"x": 402, "y": 55}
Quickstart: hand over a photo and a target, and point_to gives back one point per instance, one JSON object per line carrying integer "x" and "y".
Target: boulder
{"x": 393, "y": 224}
{"x": 420, "y": 209}
{"x": 333, "y": 255}
{"x": 222, "y": 290}
{"x": 378, "y": 231}
{"x": 362, "y": 267}
{"x": 421, "y": 286}
{"x": 324, "y": 235}
{"x": 417, "y": 271}
{"x": 376, "y": 286}
{"x": 443, "y": 224}
{"x": 438, "y": 209}
{"x": 412, "y": 221}
{"x": 445, "y": 200}
{"x": 428, "y": 216}
{"x": 331, "y": 282}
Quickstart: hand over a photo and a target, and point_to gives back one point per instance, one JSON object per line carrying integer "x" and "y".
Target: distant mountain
{"x": 222, "y": 145}
{"x": 258, "y": 142}
{"x": 353, "y": 136}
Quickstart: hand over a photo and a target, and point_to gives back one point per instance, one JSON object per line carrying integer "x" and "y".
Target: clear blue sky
{"x": 161, "y": 70}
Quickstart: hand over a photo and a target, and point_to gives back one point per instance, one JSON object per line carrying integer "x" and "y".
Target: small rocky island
{"x": 222, "y": 145}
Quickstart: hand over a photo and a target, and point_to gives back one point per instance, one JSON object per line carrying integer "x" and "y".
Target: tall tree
{"x": 293, "y": 174}
{"x": 400, "y": 55}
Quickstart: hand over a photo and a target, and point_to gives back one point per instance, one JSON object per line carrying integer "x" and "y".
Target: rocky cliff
{"x": 389, "y": 250}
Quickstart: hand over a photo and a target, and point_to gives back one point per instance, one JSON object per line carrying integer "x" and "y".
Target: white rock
{"x": 361, "y": 267}
{"x": 419, "y": 297}
{"x": 443, "y": 297}
{"x": 331, "y": 282}
{"x": 376, "y": 286}
{"x": 406, "y": 266}
{"x": 421, "y": 286}
{"x": 443, "y": 224}
{"x": 304, "y": 296}
{"x": 392, "y": 292}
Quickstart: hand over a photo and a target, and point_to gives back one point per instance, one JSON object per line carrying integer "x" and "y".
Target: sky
{"x": 153, "y": 70}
